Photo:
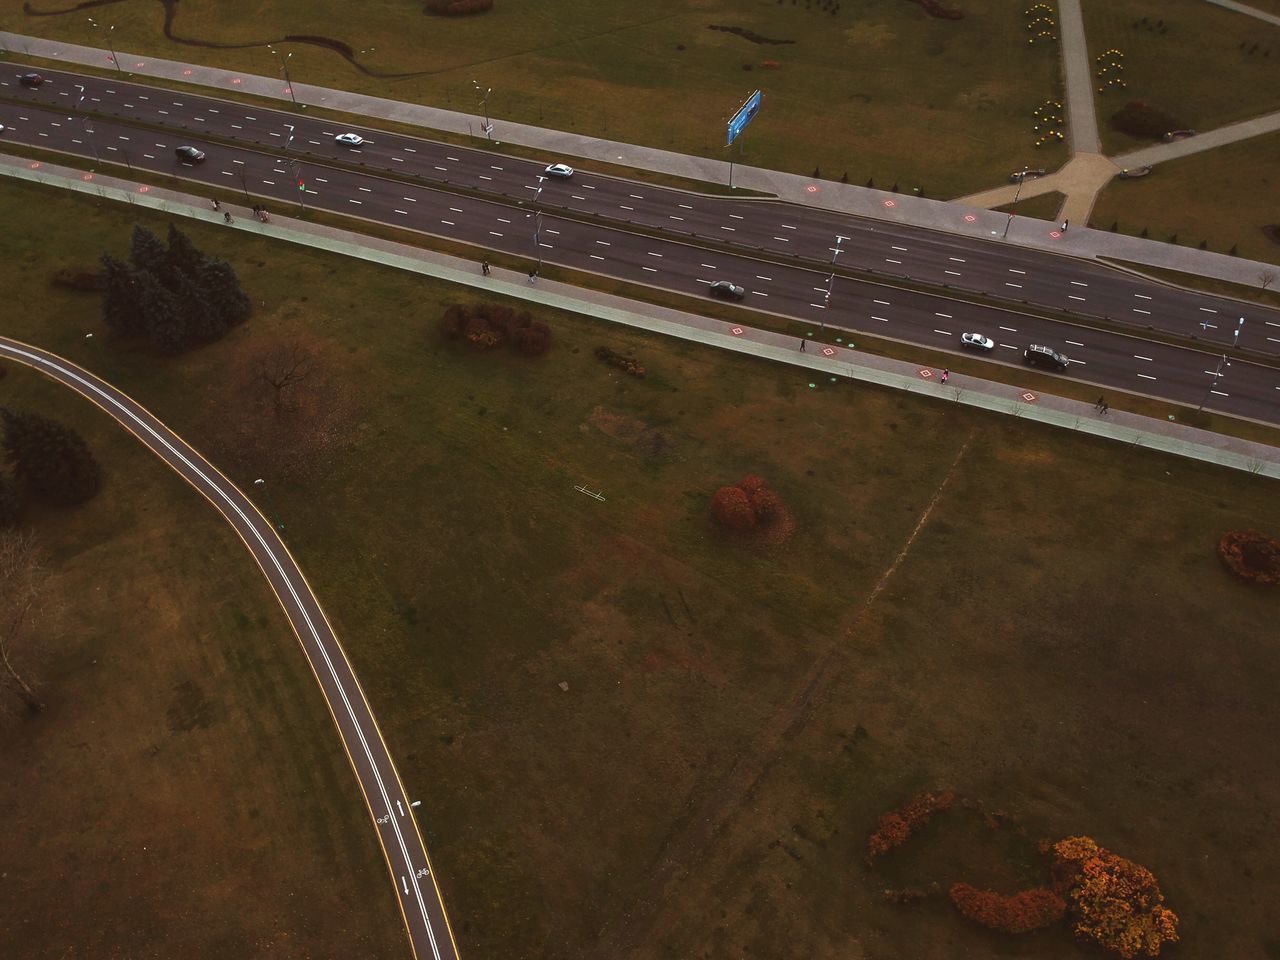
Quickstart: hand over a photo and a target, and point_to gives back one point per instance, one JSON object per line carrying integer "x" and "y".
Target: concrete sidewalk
{"x": 954, "y": 218}
{"x": 820, "y": 364}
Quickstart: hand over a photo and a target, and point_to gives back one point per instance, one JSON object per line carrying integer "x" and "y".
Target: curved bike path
{"x": 417, "y": 893}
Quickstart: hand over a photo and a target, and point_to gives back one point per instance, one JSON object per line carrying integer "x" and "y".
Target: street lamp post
{"x": 826, "y": 300}
{"x": 110, "y": 45}
{"x": 262, "y": 485}
{"x": 284, "y": 69}
{"x": 484, "y": 100}
{"x": 1217, "y": 375}
{"x": 296, "y": 163}
{"x": 537, "y": 221}
{"x": 1022, "y": 178}
{"x": 84, "y": 121}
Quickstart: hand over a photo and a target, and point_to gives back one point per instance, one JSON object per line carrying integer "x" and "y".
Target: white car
{"x": 349, "y": 139}
{"x": 977, "y": 341}
{"x": 561, "y": 170}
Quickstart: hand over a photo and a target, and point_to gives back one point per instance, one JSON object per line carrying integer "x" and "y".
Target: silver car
{"x": 976, "y": 341}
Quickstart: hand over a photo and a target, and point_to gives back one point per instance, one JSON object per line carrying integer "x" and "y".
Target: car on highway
{"x": 1178, "y": 135}
{"x": 349, "y": 139}
{"x": 1025, "y": 175}
{"x": 561, "y": 170}
{"x": 726, "y": 290}
{"x": 187, "y": 154}
{"x": 1129, "y": 173}
{"x": 976, "y": 341}
{"x": 1041, "y": 356}
{"x": 31, "y": 79}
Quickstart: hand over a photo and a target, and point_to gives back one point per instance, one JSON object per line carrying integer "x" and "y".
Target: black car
{"x": 31, "y": 79}
{"x": 1039, "y": 356}
{"x": 727, "y": 291}
{"x": 189, "y": 155}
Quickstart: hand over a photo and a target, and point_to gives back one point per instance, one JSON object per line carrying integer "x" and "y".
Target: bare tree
{"x": 283, "y": 366}
{"x": 1266, "y": 278}
{"x": 22, "y": 582}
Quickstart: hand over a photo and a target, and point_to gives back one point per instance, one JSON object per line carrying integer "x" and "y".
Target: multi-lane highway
{"x": 418, "y": 895}
{"x": 681, "y": 241}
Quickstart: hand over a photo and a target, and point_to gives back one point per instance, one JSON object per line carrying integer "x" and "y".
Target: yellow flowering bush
{"x": 1114, "y": 902}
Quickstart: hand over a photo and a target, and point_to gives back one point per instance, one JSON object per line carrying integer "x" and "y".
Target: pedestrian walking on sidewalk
{"x": 945, "y": 374}
{"x": 803, "y": 344}
{"x": 1097, "y": 404}
{"x": 216, "y": 205}
{"x": 1064, "y": 225}
{"x": 484, "y": 267}
{"x": 227, "y": 217}
{"x": 533, "y": 274}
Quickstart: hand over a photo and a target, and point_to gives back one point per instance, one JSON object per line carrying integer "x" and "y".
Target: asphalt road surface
{"x": 968, "y": 263}
{"x": 401, "y": 181}
{"x": 416, "y": 890}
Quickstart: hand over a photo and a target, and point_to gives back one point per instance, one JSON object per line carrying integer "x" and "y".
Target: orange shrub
{"x": 1023, "y": 912}
{"x": 1115, "y": 902}
{"x": 896, "y": 827}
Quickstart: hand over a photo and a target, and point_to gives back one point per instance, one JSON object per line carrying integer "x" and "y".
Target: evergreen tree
{"x": 10, "y": 501}
{"x": 147, "y": 253}
{"x": 120, "y": 298}
{"x": 160, "y": 315}
{"x": 222, "y": 292}
{"x": 49, "y": 460}
{"x": 182, "y": 259}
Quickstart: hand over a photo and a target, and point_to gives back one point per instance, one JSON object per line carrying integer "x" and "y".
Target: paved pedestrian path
{"x": 1082, "y": 120}
{"x": 1247, "y": 11}
{"x": 823, "y": 365}
{"x": 952, "y": 217}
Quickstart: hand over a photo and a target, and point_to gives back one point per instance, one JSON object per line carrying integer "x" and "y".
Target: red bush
{"x": 1251, "y": 556}
{"x": 731, "y": 509}
{"x": 1023, "y": 912}
{"x": 896, "y": 827}
{"x": 454, "y": 322}
{"x": 1141, "y": 120}
{"x": 532, "y": 340}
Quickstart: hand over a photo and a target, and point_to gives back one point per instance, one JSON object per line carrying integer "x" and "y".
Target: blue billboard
{"x": 746, "y": 113}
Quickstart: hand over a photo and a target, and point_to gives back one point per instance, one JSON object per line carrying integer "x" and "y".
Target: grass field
{"x": 1058, "y": 641}
{"x": 1195, "y": 71}
{"x": 1211, "y": 196}
{"x": 185, "y": 793}
{"x": 878, "y": 90}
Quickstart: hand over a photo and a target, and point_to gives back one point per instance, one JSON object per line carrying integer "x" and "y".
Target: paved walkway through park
{"x": 1247, "y": 11}
{"x": 961, "y": 216}
{"x": 824, "y": 366}
{"x": 1083, "y": 177}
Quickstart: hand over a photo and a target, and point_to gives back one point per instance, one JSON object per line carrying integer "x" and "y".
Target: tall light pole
{"x": 484, "y": 100}
{"x": 1217, "y": 375}
{"x": 84, "y": 121}
{"x": 110, "y": 45}
{"x": 284, "y": 69}
{"x": 826, "y": 300}
{"x": 262, "y": 485}
{"x": 537, "y": 221}
{"x": 1022, "y": 178}
{"x": 297, "y": 171}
